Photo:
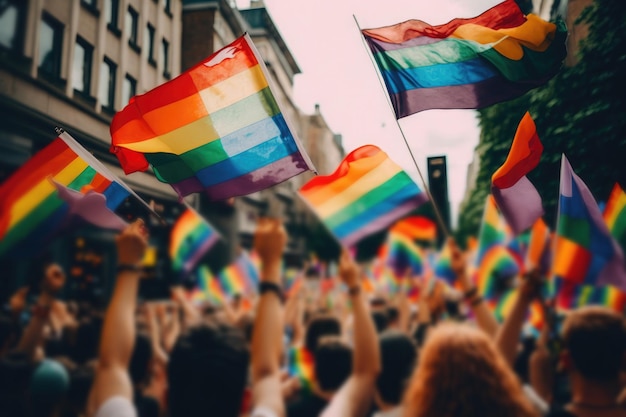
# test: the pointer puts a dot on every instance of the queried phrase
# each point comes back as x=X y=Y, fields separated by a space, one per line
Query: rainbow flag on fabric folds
x=215 y=128
x=191 y=238
x=416 y=227
x=584 y=251
x=570 y=296
x=466 y=63
x=301 y=365
x=403 y=254
x=538 y=253
x=493 y=230
x=497 y=266
x=615 y=214
x=518 y=199
x=31 y=210
x=209 y=284
x=366 y=193
x=442 y=268
x=240 y=277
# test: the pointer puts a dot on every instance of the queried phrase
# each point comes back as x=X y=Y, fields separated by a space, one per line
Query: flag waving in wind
x=31 y=209
x=366 y=193
x=466 y=63
x=215 y=128
x=585 y=252
x=516 y=196
x=190 y=239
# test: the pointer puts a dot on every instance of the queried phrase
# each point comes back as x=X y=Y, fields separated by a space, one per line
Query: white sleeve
x=261 y=412
x=540 y=405
x=117 y=407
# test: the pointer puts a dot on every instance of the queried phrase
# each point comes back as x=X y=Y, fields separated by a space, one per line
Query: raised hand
x=348 y=270
x=132 y=243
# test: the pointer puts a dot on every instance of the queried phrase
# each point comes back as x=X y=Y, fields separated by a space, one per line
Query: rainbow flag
x=466 y=63
x=366 y=193
x=538 y=253
x=615 y=214
x=301 y=365
x=493 y=230
x=417 y=228
x=496 y=268
x=216 y=128
x=518 y=199
x=190 y=239
x=31 y=210
x=584 y=251
x=571 y=296
x=210 y=286
x=442 y=268
x=240 y=277
x=403 y=254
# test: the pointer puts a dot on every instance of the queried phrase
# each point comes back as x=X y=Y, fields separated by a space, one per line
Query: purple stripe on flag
x=380 y=46
x=384 y=221
x=466 y=96
x=274 y=173
x=520 y=204
x=200 y=252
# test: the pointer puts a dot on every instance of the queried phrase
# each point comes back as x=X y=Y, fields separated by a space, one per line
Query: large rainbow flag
x=31 y=210
x=584 y=251
x=466 y=63
x=191 y=238
x=216 y=128
x=366 y=193
x=518 y=199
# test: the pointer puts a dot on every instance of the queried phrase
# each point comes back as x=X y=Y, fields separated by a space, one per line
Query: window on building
x=50 y=47
x=149 y=43
x=81 y=67
x=111 y=10
x=106 y=91
x=12 y=14
x=132 y=22
x=91 y=5
x=167 y=5
x=165 y=58
x=129 y=89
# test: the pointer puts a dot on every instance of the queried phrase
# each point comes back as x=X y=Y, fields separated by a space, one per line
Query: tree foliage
x=581 y=113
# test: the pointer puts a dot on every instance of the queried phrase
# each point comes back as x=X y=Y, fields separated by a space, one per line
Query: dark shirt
x=306 y=406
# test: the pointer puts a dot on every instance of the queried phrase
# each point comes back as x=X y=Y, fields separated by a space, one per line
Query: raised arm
x=484 y=317
x=508 y=337
x=355 y=395
x=269 y=242
x=118 y=331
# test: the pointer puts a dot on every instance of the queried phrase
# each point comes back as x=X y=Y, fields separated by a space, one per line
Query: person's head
x=460 y=372
x=139 y=366
x=53 y=278
x=398 y=354
x=594 y=342
x=381 y=320
x=333 y=364
x=320 y=326
x=207 y=372
x=48 y=386
x=392 y=316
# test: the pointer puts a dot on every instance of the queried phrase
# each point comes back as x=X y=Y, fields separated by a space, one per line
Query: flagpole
x=100 y=167
x=444 y=229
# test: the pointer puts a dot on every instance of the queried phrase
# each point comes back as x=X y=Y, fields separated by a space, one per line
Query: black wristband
x=356 y=290
x=271 y=287
x=128 y=267
x=470 y=293
x=476 y=301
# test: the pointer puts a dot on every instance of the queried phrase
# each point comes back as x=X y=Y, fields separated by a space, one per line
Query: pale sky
x=338 y=73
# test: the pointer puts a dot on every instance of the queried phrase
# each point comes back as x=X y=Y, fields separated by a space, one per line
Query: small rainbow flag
x=537 y=255
x=216 y=128
x=210 y=286
x=615 y=214
x=402 y=254
x=191 y=237
x=466 y=63
x=240 y=277
x=366 y=193
x=417 y=228
x=496 y=267
x=442 y=268
x=571 y=296
x=31 y=210
x=493 y=230
x=584 y=251
x=301 y=365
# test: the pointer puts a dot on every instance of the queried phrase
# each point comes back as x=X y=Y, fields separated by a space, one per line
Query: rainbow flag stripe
x=190 y=239
x=31 y=211
x=210 y=286
x=493 y=230
x=571 y=296
x=301 y=365
x=416 y=227
x=466 y=63
x=442 y=268
x=497 y=266
x=615 y=214
x=240 y=277
x=216 y=128
x=403 y=254
x=366 y=193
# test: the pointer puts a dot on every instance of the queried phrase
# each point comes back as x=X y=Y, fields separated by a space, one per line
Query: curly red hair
x=461 y=373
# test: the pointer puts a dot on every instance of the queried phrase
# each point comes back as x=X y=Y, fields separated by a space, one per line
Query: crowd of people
x=369 y=354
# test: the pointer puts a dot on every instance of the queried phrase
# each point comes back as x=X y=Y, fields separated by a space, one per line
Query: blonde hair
x=461 y=373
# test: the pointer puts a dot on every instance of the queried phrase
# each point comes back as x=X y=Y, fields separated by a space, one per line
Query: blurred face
x=54 y=278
